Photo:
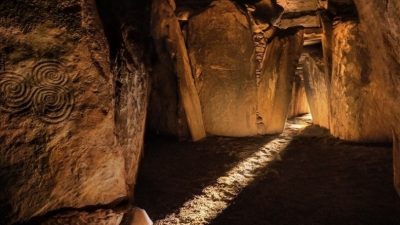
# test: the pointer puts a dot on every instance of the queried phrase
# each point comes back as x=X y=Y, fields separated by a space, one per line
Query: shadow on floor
x=321 y=181
x=318 y=181
x=172 y=172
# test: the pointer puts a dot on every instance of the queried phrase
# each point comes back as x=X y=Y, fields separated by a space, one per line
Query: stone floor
x=302 y=177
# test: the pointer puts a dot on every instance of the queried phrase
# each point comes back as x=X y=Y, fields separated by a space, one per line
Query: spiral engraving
x=52 y=104
x=45 y=93
x=15 y=93
x=49 y=73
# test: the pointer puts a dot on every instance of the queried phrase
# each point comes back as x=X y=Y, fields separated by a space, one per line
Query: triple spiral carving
x=44 y=92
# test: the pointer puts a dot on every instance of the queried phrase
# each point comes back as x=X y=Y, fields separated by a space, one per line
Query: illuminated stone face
x=243 y=85
x=63 y=136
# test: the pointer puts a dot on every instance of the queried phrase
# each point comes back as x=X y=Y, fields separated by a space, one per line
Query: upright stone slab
x=316 y=83
x=275 y=86
x=236 y=102
x=383 y=46
x=221 y=50
x=66 y=140
x=130 y=76
x=354 y=111
x=171 y=48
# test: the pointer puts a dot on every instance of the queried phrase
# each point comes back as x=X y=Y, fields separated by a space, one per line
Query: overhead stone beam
x=307 y=21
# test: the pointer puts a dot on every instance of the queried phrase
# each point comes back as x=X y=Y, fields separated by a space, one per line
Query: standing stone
x=221 y=50
x=275 y=88
x=67 y=135
x=171 y=48
x=384 y=48
x=365 y=91
x=166 y=114
x=326 y=41
x=354 y=112
x=317 y=86
x=131 y=78
x=237 y=101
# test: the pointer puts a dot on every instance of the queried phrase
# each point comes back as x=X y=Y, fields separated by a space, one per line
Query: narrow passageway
x=198 y=112
x=303 y=176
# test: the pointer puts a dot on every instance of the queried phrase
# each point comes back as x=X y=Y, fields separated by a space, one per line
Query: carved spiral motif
x=52 y=104
x=44 y=93
x=49 y=73
x=15 y=93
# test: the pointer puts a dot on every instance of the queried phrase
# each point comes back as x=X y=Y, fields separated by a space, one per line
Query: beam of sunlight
x=214 y=199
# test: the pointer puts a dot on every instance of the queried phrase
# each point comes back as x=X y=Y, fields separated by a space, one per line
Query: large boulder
x=71 y=129
x=236 y=102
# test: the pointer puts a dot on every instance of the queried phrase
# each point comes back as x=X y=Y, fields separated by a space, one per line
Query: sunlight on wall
x=214 y=199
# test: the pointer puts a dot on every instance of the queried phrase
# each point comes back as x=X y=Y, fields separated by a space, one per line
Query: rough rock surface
x=365 y=72
x=316 y=84
x=127 y=38
x=221 y=50
x=134 y=216
x=236 y=102
x=99 y=217
x=326 y=41
x=66 y=140
x=354 y=112
x=299 y=13
x=298 y=6
x=380 y=30
x=166 y=112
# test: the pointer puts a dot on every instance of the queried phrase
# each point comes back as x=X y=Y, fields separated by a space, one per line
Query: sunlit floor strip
x=215 y=198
